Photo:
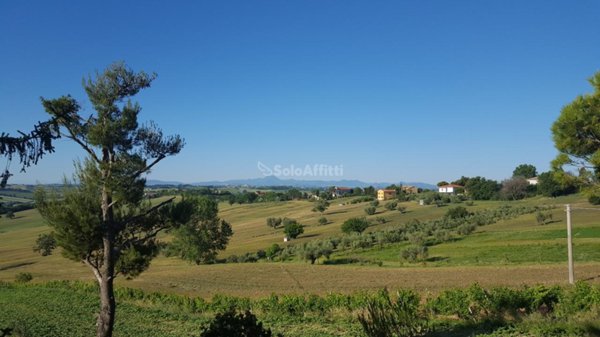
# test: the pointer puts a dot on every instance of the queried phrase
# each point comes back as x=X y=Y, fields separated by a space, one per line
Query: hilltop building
x=386 y=194
x=450 y=188
x=342 y=192
x=410 y=189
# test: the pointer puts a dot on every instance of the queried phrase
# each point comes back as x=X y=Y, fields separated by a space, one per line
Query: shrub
x=401 y=209
x=44 y=244
x=23 y=277
x=273 y=222
x=465 y=229
x=322 y=221
x=381 y=219
x=415 y=253
x=391 y=205
x=457 y=213
x=370 y=210
x=232 y=324
x=355 y=225
x=374 y=203
x=543 y=218
x=273 y=251
x=362 y=199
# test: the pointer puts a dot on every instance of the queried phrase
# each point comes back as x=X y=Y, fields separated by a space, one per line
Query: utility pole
x=570 y=245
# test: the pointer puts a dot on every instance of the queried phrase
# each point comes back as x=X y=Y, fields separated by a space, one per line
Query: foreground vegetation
x=66 y=309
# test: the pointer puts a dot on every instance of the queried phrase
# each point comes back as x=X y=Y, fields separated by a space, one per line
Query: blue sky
x=392 y=90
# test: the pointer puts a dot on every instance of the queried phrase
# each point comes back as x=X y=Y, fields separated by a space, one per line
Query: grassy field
x=511 y=252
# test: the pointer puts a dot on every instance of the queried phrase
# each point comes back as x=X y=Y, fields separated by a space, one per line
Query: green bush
x=370 y=210
x=414 y=254
x=292 y=228
x=23 y=277
x=457 y=213
x=355 y=225
x=232 y=324
x=391 y=205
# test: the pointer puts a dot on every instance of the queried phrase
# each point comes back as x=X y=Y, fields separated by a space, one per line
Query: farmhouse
x=410 y=189
x=385 y=194
x=450 y=188
x=342 y=191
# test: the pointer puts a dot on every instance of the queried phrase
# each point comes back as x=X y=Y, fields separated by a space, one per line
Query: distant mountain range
x=276 y=182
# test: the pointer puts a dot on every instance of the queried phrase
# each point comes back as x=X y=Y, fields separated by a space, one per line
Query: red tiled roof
x=451 y=185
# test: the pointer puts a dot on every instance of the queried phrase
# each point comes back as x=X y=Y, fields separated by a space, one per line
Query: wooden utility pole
x=570 y=245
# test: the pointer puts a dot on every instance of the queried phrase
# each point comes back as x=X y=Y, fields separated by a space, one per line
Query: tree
x=480 y=188
x=458 y=212
x=391 y=205
x=292 y=228
x=200 y=241
x=313 y=250
x=321 y=206
x=103 y=219
x=273 y=222
x=442 y=183
x=9 y=214
x=525 y=170
x=44 y=244
x=549 y=186
x=576 y=135
x=514 y=188
x=323 y=221
x=272 y=251
x=356 y=225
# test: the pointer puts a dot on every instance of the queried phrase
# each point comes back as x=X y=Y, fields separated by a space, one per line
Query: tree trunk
x=106 y=318
x=108 y=306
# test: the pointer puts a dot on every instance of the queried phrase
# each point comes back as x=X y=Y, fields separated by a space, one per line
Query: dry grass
x=251 y=233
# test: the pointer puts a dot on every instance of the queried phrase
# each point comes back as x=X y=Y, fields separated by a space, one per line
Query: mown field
x=513 y=252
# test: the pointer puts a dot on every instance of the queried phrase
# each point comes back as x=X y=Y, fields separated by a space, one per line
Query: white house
x=451 y=188
x=533 y=181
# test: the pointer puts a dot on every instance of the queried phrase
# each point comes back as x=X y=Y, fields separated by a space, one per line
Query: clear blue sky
x=392 y=90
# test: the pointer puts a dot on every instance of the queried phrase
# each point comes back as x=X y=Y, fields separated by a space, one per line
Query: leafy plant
x=356 y=225
x=232 y=324
x=370 y=210
x=23 y=277
x=400 y=318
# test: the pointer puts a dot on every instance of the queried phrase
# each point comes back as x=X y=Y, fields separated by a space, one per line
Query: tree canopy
x=525 y=170
x=576 y=135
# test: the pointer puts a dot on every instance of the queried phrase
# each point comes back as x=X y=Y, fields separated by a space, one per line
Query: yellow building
x=386 y=194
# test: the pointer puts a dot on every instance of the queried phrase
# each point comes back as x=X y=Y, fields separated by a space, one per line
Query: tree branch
x=93 y=267
x=82 y=144
x=140 y=216
x=148 y=167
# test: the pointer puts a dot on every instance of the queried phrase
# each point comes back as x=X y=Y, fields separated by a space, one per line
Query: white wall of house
x=446 y=190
